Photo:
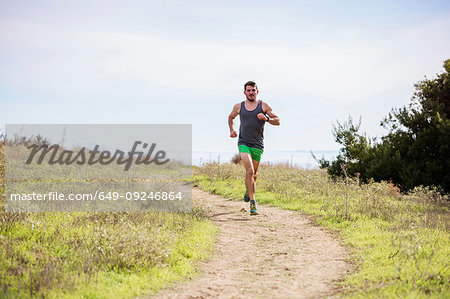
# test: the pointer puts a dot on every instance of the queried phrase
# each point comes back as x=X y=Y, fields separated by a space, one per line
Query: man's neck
x=251 y=102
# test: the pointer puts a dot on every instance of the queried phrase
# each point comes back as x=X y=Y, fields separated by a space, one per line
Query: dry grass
x=400 y=242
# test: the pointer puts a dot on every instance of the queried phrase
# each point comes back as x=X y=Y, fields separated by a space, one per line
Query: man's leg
x=255 y=173
x=249 y=174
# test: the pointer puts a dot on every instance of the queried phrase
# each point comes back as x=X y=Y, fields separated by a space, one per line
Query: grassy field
x=400 y=244
x=97 y=255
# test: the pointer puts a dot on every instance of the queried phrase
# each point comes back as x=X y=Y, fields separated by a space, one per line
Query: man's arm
x=231 y=118
x=274 y=119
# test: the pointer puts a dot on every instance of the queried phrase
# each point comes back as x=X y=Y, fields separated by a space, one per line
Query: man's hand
x=274 y=119
x=233 y=134
x=262 y=116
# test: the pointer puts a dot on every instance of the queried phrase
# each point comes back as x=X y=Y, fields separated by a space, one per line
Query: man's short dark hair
x=251 y=83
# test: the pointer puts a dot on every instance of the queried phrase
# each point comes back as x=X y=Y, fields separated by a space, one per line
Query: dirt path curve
x=278 y=254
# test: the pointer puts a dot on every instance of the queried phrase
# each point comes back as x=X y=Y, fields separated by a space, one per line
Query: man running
x=253 y=114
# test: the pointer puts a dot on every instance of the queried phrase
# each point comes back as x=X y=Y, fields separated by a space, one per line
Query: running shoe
x=246 y=198
x=253 y=209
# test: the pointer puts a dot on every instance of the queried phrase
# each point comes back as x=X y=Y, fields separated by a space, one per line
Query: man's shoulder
x=264 y=105
x=237 y=106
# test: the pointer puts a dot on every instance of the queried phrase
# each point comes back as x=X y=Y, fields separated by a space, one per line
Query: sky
x=185 y=62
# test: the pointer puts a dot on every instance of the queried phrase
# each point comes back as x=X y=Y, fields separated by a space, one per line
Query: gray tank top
x=251 y=131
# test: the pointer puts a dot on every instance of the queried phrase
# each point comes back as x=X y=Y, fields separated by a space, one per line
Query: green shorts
x=256 y=153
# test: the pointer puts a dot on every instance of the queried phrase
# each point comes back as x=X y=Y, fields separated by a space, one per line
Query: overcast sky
x=151 y=62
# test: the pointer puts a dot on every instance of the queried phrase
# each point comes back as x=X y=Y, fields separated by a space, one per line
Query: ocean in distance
x=298 y=158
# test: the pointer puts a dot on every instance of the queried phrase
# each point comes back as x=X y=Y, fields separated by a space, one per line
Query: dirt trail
x=278 y=254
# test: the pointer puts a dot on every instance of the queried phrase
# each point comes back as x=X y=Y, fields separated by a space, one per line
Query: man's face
x=251 y=92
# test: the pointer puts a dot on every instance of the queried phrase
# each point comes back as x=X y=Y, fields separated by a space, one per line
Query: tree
x=416 y=150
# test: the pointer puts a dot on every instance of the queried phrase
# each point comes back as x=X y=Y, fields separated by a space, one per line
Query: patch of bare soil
x=278 y=254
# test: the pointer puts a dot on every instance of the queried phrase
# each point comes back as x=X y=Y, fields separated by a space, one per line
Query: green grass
x=97 y=255
x=400 y=244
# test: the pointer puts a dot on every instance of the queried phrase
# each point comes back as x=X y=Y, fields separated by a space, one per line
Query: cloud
x=341 y=67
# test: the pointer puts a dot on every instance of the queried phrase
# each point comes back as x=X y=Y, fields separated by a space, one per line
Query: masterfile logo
x=85 y=156
x=104 y=168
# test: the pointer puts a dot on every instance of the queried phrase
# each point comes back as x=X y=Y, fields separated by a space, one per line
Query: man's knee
x=250 y=172
x=255 y=176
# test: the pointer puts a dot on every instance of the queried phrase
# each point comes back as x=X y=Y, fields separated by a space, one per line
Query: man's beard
x=251 y=99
